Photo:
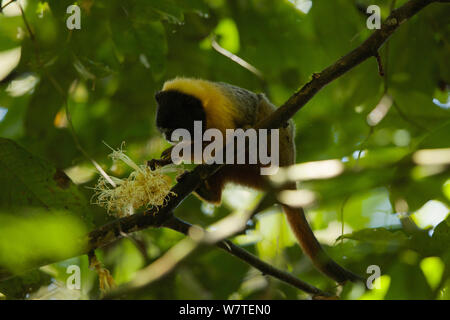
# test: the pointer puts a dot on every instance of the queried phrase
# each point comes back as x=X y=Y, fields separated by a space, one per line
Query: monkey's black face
x=178 y=110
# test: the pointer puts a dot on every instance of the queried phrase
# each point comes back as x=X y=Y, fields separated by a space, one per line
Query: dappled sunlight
x=380 y=111
x=325 y=169
x=433 y=269
x=443 y=105
x=432 y=156
x=315 y=170
x=81 y=173
x=13 y=9
x=275 y=234
x=238 y=197
x=431 y=214
x=3 y=112
x=302 y=5
x=23 y=84
x=9 y=59
x=297 y=198
x=332 y=232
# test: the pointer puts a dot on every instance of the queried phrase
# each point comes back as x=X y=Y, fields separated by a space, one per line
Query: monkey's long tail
x=310 y=245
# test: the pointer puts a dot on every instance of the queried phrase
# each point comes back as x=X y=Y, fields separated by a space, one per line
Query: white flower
x=144 y=188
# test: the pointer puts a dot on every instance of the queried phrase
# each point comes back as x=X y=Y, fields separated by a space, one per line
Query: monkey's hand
x=163 y=161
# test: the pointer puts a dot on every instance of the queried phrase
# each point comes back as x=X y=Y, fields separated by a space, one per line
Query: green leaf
x=378 y=235
x=167 y=10
x=18 y=287
x=408 y=282
x=9 y=28
x=198 y=6
x=143 y=42
x=152 y=43
x=35 y=237
x=26 y=180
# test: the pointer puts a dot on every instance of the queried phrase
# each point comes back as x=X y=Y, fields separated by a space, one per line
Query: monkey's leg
x=209 y=192
x=211 y=189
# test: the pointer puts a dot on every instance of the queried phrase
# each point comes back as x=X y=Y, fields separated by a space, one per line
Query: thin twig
x=216 y=46
x=27 y=25
x=408 y=119
x=5 y=5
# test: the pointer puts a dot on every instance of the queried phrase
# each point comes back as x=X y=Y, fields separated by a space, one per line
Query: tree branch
x=367 y=49
x=187 y=247
x=267 y=269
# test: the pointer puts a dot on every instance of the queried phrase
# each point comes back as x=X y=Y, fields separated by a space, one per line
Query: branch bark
x=367 y=49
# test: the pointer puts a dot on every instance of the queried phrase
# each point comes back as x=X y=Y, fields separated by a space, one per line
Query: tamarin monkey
x=223 y=106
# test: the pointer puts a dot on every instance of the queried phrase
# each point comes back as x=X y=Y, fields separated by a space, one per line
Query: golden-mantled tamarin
x=223 y=106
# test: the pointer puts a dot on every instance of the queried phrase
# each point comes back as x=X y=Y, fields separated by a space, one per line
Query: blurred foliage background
x=389 y=208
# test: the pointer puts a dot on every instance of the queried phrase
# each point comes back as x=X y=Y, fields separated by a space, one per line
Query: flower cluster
x=144 y=188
